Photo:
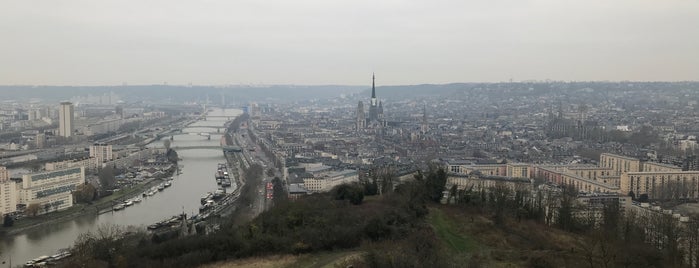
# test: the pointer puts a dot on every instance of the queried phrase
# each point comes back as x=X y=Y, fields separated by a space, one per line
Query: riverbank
x=97 y=207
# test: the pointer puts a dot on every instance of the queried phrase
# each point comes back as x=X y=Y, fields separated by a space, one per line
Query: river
x=196 y=179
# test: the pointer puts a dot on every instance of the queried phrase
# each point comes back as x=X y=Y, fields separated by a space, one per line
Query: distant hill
x=283 y=93
x=160 y=93
x=520 y=88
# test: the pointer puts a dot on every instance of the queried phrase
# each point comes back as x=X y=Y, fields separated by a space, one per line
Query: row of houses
x=614 y=174
x=600 y=186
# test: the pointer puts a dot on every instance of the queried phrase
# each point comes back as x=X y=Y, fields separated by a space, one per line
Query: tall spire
x=373 y=88
x=373 y=106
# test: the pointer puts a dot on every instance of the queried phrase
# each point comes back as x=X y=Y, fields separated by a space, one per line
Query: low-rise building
x=465 y=167
x=661 y=184
x=297 y=190
x=590 y=172
x=90 y=164
x=590 y=207
x=518 y=170
x=657 y=167
x=480 y=182
x=325 y=182
x=560 y=176
x=101 y=151
x=619 y=163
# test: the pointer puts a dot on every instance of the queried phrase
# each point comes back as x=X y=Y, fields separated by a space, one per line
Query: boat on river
x=221 y=173
x=38 y=262
x=59 y=256
x=44 y=261
x=207 y=196
x=118 y=207
x=219 y=193
x=209 y=204
x=175 y=220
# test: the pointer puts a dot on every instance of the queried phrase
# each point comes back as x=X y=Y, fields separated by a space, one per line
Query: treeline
x=234 y=126
x=319 y=222
x=609 y=236
x=253 y=177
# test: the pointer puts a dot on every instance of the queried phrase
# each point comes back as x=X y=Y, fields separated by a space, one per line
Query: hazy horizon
x=311 y=42
x=367 y=85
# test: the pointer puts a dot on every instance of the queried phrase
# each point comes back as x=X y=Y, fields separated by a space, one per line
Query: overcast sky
x=90 y=42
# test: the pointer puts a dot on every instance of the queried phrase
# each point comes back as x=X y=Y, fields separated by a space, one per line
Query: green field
x=448 y=231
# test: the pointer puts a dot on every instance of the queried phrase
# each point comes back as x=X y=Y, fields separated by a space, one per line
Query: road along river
x=196 y=178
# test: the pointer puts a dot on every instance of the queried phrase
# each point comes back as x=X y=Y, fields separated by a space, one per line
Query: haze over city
x=363 y=134
x=338 y=42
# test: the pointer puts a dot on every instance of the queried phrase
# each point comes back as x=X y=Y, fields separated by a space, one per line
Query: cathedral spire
x=373 y=106
x=373 y=88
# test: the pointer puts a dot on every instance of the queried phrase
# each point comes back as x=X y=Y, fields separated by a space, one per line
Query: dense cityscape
x=631 y=146
x=353 y=134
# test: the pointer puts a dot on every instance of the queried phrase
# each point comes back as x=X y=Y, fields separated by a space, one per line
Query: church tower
x=380 y=111
x=361 y=118
x=424 y=127
x=373 y=106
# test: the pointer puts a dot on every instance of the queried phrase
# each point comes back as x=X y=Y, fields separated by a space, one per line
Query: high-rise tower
x=66 y=123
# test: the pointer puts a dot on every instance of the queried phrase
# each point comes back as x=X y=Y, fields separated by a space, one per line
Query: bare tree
x=32 y=209
x=100 y=248
x=452 y=194
x=166 y=144
x=106 y=177
x=691 y=234
x=565 y=218
x=383 y=178
x=500 y=197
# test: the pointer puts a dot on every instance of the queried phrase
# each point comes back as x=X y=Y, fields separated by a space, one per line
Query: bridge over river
x=226 y=149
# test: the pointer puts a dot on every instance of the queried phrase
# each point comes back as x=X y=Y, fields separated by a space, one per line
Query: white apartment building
x=102 y=152
x=51 y=190
x=8 y=193
x=90 y=164
x=8 y=196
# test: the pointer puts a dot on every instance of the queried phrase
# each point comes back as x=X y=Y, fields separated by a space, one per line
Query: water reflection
x=85 y=221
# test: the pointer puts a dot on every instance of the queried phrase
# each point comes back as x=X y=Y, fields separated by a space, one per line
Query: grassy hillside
x=473 y=238
x=467 y=237
x=317 y=260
